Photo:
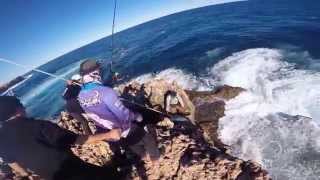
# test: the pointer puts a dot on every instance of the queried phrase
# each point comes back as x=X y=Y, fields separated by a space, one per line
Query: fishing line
x=63 y=79
x=66 y=80
x=33 y=69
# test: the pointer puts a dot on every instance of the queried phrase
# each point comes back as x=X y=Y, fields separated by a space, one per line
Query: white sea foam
x=185 y=80
x=261 y=124
x=276 y=121
x=265 y=75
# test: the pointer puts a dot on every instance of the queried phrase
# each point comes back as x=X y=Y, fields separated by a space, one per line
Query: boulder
x=157 y=89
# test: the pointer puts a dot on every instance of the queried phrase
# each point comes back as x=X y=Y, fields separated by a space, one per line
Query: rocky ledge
x=189 y=150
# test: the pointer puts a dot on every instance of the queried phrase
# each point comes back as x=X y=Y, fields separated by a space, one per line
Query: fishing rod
x=113 y=27
x=175 y=117
x=112 y=36
x=147 y=108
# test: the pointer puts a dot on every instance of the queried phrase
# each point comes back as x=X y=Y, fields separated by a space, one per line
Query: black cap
x=88 y=66
x=8 y=106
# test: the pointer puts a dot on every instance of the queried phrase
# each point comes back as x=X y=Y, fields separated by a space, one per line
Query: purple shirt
x=103 y=105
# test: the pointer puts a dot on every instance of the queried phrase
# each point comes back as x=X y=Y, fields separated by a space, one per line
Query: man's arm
x=58 y=137
x=113 y=135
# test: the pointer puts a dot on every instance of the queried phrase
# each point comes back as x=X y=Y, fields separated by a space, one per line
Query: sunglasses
x=96 y=73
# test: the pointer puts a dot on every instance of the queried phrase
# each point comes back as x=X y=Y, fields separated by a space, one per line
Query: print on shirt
x=91 y=101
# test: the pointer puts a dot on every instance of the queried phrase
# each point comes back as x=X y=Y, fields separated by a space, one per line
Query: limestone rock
x=157 y=89
x=187 y=156
x=99 y=154
x=209 y=108
x=66 y=121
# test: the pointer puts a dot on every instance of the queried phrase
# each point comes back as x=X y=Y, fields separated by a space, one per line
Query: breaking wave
x=276 y=121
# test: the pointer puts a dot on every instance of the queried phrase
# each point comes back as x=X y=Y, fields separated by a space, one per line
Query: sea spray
x=275 y=121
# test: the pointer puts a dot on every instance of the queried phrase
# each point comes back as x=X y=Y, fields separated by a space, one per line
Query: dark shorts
x=135 y=135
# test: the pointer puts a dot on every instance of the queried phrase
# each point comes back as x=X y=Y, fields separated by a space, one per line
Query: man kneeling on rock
x=103 y=105
x=40 y=147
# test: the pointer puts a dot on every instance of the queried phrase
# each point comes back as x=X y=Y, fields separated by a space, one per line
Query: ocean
x=269 y=47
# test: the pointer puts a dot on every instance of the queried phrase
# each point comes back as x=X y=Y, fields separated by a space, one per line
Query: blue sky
x=33 y=32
